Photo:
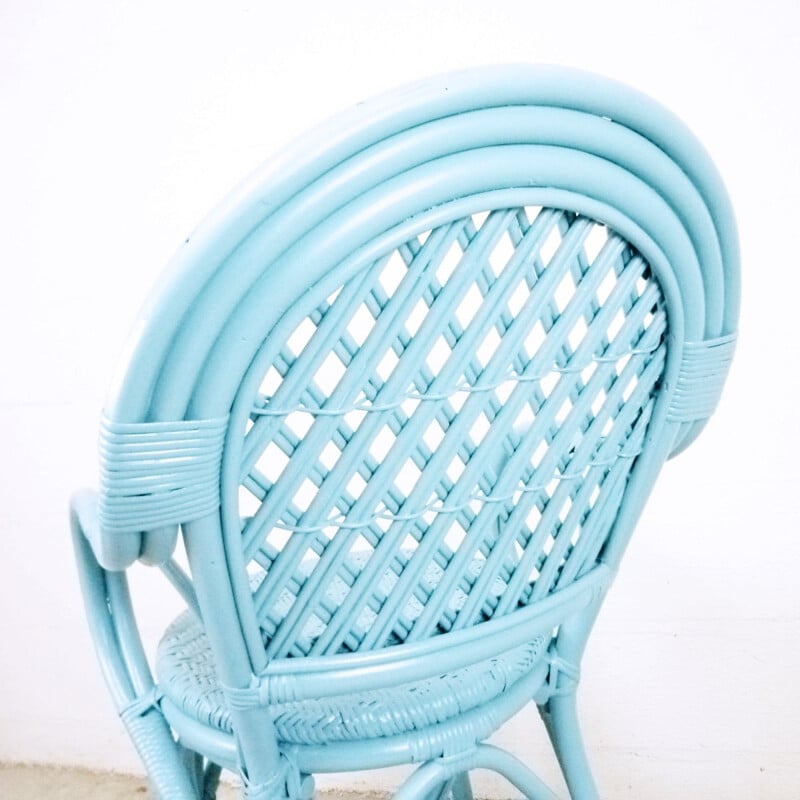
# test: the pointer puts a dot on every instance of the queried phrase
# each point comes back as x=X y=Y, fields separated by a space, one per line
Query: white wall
x=123 y=123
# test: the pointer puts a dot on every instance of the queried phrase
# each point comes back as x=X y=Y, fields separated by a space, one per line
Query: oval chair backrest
x=446 y=436
x=449 y=339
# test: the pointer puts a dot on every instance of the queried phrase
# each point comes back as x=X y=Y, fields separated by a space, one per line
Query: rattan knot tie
x=288 y=783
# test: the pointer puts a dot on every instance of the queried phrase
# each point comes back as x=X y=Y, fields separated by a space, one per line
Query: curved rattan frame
x=338 y=197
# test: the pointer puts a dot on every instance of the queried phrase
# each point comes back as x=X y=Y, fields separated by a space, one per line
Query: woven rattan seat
x=404 y=396
x=186 y=674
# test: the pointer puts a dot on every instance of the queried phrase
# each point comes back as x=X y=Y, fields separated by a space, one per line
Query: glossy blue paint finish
x=406 y=392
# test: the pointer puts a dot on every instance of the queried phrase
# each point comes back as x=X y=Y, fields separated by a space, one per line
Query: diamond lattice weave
x=436 y=443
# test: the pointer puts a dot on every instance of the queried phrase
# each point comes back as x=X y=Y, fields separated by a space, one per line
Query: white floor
x=34 y=782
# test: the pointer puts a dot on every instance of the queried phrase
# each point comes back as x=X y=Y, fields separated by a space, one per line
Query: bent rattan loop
x=704 y=368
x=154 y=474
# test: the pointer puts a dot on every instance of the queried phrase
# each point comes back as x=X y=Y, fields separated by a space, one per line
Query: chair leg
x=165 y=768
x=513 y=770
x=193 y=764
x=457 y=788
x=204 y=774
x=286 y=783
x=426 y=783
x=436 y=780
x=211 y=777
x=119 y=650
x=560 y=717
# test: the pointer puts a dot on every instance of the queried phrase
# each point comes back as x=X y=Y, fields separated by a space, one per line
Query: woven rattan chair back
x=406 y=394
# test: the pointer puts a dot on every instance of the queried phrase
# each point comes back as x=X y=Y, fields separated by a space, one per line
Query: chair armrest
x=115 y=551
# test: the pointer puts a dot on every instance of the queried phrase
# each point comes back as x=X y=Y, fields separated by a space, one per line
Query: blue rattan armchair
x=405 y=394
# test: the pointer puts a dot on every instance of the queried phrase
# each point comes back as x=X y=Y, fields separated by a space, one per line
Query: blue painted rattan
x=405 y=394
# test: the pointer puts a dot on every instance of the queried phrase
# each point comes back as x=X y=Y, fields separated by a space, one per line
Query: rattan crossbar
x=383 y=514
x=405 y=394
x=263 y=405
